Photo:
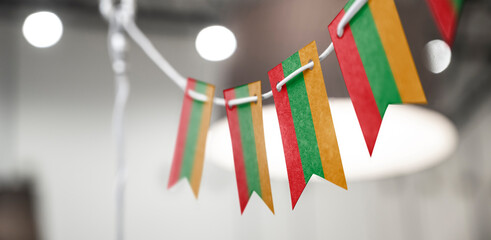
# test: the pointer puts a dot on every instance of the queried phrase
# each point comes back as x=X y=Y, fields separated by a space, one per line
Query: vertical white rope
x=106 y=9
x=116 y=42
x=117 y=48
x=122 y=92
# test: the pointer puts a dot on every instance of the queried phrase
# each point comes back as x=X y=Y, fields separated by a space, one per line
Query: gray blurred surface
x=56 y=105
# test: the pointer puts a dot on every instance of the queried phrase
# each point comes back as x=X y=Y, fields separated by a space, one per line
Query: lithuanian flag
x=376 y=63
x=246 y=129
x=191 y=138
x=307 y=130
x=446 y=14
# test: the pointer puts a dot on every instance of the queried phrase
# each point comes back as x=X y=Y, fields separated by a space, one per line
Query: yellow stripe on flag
x=396 y=48
x=321 y=116
x=257 y=122
x=200 y=150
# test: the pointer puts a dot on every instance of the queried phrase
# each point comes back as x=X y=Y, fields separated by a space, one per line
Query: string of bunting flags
x=378 y=69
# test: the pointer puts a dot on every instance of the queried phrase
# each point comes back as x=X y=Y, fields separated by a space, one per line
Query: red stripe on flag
x=445 y=16
x=181 y=134
x=290 y=146
x=240 y=172
x=356 y=82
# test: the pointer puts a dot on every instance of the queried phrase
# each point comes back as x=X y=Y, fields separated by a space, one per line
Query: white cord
x=117 y=47
x=197 y=96
x=148 y=48
x=294 y=74
x=267 y=95
x=326 y=52
x=239 y=101
x=146 y=45
x=137 y=35
x=354 y=8
x=122 y=92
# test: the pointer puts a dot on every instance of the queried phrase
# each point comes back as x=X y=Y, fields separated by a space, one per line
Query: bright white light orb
x=438 y=55
x=42 y=29
x=411 y=138
x=215 y=43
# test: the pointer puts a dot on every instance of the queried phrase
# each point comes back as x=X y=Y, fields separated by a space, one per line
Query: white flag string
x=148 y=48
x=354 y=8
x=107 y=10
x=151 y=51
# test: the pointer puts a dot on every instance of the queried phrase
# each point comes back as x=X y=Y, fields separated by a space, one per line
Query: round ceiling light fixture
x=411 y=138
x=438 y=55
x=42 y=29
x=216 y=43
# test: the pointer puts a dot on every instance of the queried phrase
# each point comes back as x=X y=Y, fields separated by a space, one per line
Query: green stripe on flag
x=193 y=132
x=302 y=119
x=374 y=59
x=248 y=141
x=457 y=5
x=348 y=5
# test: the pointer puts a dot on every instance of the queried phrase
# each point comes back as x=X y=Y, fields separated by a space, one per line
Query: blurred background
x=57 y=154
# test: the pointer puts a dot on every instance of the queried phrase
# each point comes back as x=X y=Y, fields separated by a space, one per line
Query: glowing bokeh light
x=42 y=29
x=438 y=55
x=215 y=43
